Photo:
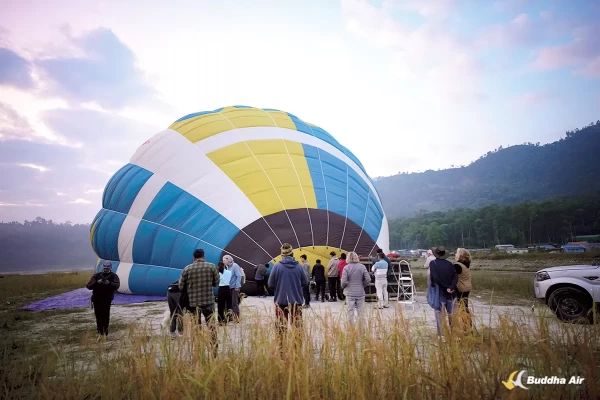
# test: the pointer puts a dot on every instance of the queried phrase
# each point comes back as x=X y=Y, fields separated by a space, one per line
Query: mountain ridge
x=505 y=176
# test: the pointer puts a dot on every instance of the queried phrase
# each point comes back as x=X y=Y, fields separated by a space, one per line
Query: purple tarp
x=80 y=298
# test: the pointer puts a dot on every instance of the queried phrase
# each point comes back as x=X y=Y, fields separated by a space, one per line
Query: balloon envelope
x=239 y=181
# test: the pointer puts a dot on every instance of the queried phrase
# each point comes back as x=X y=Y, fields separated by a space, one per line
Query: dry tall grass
x=325 y=359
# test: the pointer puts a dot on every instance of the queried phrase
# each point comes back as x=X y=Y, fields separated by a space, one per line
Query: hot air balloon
x=237 y=180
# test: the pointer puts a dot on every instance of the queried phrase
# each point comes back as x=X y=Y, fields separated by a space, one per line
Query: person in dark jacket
x=318 y=274
x=269 y=266
x=259 y=277
x=103 y=286
x=288 y=280
x=443 y=274
x=173 y=296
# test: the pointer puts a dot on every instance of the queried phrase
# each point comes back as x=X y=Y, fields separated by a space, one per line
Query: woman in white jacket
x=380 y=268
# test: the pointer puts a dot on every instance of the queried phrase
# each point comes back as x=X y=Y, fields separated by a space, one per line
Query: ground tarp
x=80 y=298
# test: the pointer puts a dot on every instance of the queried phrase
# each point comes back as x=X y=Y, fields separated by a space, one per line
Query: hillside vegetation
x=556 y=221
x=512 y=175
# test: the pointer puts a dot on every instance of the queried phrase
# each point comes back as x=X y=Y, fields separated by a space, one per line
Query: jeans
x=381 y=285
x=260 y=287
x=235 y=302
x=334 y=284
x=306 y=293
x=208 y=312
x=223 y=302
x=354 y=306
x=102 y=313
x=285 y=313
x=176 y=315
x=321 y=290
x=447 y=305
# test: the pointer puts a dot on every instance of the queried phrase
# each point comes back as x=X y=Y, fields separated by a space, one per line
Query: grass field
x=326 y=359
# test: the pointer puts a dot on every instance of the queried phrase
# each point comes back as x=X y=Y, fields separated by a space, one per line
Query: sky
x=407 y=86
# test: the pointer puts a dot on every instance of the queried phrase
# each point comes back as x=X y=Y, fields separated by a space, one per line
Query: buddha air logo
x=512 y=383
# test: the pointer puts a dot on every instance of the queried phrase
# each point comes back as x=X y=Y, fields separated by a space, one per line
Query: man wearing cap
x=385 y=258
x=443 y=274
x=288 y=279
x=103 y=286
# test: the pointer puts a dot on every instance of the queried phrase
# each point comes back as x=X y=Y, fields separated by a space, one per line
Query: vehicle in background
x=571 y=292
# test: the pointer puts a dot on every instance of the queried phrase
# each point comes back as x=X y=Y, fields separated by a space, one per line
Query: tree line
x=553 y=222
x=44 y=245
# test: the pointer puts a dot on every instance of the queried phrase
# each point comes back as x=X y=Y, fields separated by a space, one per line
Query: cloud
x=59 y=176
x=25 y=204
x=90 y=191
x=40 y=168
x=429 y=52
x=583 y=50
x=102 y=69
x=14 y=70
x=14 y=126
x=520 y=31
x=28 y=169
x=534 y=98
x=107 y=140
x=591 y=70
x=80 y=201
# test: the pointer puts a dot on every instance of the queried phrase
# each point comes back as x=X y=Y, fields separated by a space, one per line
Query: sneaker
x=306 y=306
x=386 y=306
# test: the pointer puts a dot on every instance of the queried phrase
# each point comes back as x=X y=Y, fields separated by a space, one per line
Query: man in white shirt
x=380 y=268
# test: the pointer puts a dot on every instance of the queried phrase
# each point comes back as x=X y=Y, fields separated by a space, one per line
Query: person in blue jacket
x=288 y=280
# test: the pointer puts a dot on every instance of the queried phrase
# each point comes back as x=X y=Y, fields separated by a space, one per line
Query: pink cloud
x=591 y=70
x=533 y=98
x=14 y=126
x=520 y=31
x=583 y=49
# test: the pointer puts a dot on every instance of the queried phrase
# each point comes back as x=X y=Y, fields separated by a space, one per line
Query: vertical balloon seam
x=268 y=178
x=299 y=182
x=362 y=228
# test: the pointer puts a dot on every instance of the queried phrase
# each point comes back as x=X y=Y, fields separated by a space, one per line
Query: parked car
x=572 y=292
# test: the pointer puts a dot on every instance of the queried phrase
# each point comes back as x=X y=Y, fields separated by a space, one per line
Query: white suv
x=572 y=292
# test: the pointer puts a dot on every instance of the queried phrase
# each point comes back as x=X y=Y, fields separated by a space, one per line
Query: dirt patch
x=150 y=316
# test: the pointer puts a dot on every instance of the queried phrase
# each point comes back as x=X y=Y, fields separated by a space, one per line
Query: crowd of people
x=289 y=282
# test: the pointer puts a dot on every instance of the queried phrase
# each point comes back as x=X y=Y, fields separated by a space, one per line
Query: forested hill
x=43 y=245
x=512 y=175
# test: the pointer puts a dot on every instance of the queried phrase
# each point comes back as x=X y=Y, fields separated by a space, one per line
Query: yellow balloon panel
x=315 y=253
x=273 y=174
